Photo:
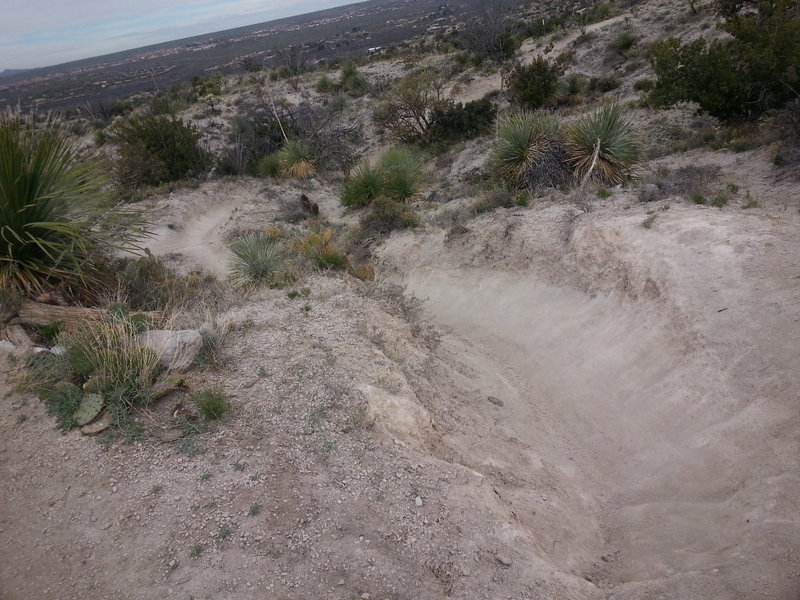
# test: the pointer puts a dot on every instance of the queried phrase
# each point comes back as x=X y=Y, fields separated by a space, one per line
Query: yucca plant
x=529 y=151
x=363 y=186
x=256 y=258
x=401 y=169
x=53 y=227
x=603 y=145
x=297 y=159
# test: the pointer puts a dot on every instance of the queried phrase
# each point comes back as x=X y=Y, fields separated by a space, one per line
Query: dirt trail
x=681 y=422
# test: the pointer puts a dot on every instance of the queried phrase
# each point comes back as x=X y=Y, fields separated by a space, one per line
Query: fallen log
x=36 y=313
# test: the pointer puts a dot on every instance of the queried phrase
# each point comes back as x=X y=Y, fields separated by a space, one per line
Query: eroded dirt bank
x=656 y=368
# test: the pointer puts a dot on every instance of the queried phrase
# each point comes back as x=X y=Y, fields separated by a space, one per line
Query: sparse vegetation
x=212 y=403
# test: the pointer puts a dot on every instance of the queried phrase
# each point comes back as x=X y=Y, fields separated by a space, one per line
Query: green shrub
x=401 y=169
x=603 y=145
x=269 y=166
x=529 y=152
x=386 y=215
x=324 y=84
x=257 y=258
x=531 y=85
x=460 y=121
x=156 y=149
x=353 y=82
x=397 y=175
x=742 y=77
x=212 y=403
x=363 y=186
x=54 y=227
x=623 y=42
x=603 y=84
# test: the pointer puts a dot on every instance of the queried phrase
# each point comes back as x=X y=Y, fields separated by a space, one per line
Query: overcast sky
x=39 y=33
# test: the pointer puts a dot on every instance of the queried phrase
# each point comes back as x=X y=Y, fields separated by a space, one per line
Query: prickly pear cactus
x=95 y=385
x=89 y=408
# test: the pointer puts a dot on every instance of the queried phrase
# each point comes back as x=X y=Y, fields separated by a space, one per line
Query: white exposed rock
x=176 y=350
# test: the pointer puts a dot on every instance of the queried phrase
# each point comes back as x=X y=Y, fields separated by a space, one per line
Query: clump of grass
x=386 y=215
x=603 y=192
x=720 y=200
x=196 y=550
x=320 y=248
x=269 y=165
x=362 y=187
x=697 y=198
x=648 y=222
x=212 y=403
x=255 y=510
x=603 y=145
x=397 y=175
x=257 y=258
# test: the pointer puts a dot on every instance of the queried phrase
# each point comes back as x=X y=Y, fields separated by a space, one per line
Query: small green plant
x=291 y=294
x=623 y=42
x=751 y=204
x=255 y=510
x=257 y=258
x=224 y=532
x=21 y=418
x=239 y=465
x=697 y=198
x=604 y=192
x=196 y=550
x=603 y=145
x=324 y=84
x=732 y=188
x=156 y=490
x=206 y=476
x=306 y=308
x=212 y=403
x=363 y=186
x=648 y=222
x=720 y=200
x=269 y=166
x=401 y=167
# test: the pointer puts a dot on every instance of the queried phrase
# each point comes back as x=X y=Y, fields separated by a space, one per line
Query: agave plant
x=603 y=145
x=296 y=159
x=529 y=151
x=53 y=228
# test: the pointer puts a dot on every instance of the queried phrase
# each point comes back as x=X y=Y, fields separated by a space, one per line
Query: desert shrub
x=353 y=82
x=531 y=85
x=146 y=283
x=253 y=135
x=110 y=350
x=156 y=149
x=408 y=106
x=386 y=215
x=460 y=121
x=397 y=175
x=603 y=84
x=212 y=403
x=257 y=259
x=269 y=166
x=529 y=152
x=54 y=227
x=362 y=187
x=324 y=85
x=297 y=159
x=742 y=77
x=570 y=90
x=603 y=145
x=321 y=249
x=623 y=42
x=489 y=35
x=401 y=169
